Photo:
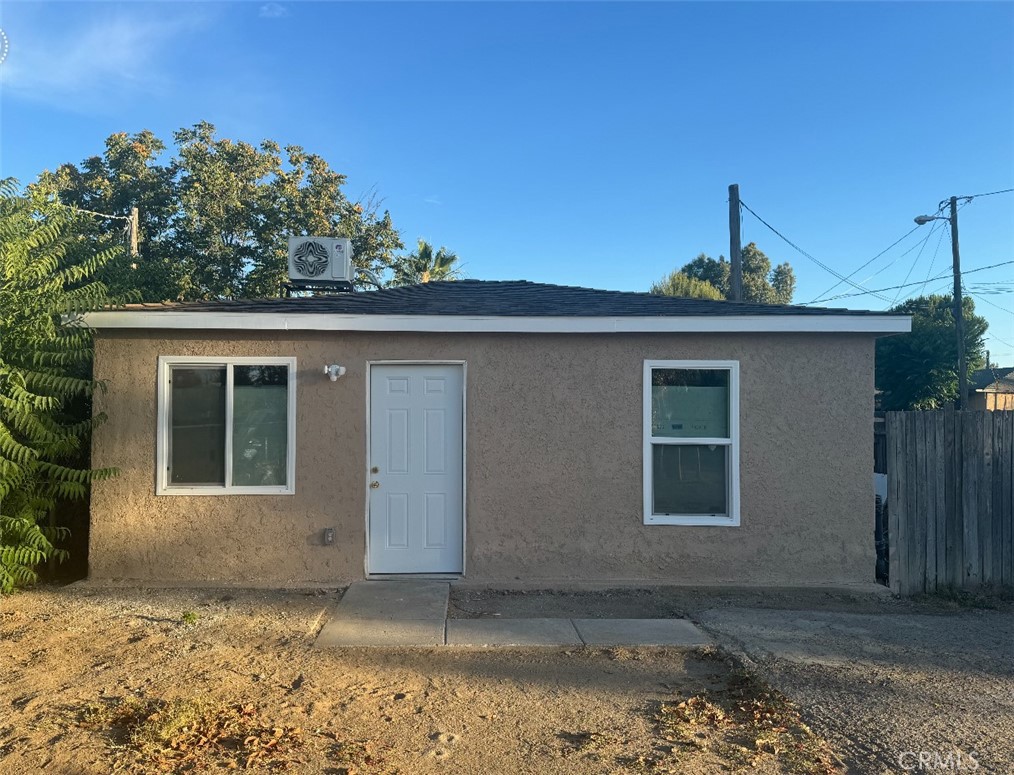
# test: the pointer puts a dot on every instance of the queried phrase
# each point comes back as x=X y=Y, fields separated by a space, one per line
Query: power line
x=886 y=266
x=933 y=260
x=983 y=298
x=989 y=193
x=802 y=252
x=882 y=252
x=1001 y=341
x=944 y=223
x=914 y=262
x=129 y=231
x=859 y=269
x=917 y=282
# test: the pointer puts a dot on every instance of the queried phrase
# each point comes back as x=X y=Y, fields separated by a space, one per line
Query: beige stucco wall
x=554 y=465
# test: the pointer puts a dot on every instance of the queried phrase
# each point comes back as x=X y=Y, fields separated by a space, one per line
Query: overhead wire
x=917 y=282
x=914 y=262
x=803 y=253
x=863 y=266
x=993 y=304
x=933 y=260
x=988 y=193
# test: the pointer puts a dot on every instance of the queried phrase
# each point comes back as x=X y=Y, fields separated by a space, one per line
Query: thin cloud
x=89 y=68
x=273 y=11
x=432 y=199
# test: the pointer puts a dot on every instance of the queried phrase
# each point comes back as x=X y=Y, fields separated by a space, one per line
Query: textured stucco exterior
x=553 y=469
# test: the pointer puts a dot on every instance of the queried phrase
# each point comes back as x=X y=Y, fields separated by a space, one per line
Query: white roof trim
x=307 y=321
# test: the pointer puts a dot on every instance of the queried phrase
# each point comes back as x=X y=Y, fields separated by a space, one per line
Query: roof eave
x=273 y=321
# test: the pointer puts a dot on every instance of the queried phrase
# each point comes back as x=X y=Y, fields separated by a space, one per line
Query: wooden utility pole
x=133 y=231
x=735 y=251
x=959 y=315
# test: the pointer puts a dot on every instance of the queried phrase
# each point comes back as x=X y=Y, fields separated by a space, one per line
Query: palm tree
x=425 y=266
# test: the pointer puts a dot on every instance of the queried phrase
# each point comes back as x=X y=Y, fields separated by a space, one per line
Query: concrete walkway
x=414 y=613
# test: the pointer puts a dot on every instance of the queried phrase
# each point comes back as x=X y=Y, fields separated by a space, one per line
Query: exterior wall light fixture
x=334 y=371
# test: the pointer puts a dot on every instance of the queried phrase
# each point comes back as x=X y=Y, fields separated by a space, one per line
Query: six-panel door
x=416 y=468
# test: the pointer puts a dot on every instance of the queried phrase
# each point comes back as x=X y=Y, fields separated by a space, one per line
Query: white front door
x=416 y=468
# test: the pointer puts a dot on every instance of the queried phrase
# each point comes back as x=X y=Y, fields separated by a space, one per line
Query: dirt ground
x=879 y=686
x=876 y=676
x=662 y=602
x=98 y=680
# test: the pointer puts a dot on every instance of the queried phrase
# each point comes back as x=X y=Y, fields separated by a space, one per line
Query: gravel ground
x=877 y=686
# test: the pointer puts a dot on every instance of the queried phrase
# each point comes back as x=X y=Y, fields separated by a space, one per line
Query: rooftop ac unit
x=320 y=260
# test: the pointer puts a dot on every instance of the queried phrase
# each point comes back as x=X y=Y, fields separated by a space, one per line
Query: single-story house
x=991 y=390
x=495 y=431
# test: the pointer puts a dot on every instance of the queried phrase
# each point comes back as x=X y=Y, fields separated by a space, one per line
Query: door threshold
x=413 y=576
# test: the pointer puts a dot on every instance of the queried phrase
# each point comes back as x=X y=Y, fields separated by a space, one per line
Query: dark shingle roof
x=998 y=380
x=496 y=298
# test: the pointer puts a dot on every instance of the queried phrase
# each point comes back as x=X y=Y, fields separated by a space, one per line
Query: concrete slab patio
x=512 y=632
x=396 y=614
x=381 y=633
x=395 y=600
x=640 y=632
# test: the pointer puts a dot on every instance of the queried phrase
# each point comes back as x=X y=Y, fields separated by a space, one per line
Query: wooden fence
x=950 y=500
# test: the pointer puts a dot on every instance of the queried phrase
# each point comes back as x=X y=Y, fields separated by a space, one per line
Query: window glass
x=260 y=425
x=197 y=432
x=690 y=403
x=689 y=479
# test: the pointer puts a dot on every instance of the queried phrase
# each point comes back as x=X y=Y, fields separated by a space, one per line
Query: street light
x=959 y=317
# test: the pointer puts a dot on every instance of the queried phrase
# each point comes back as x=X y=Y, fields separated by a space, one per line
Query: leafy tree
x=215 y=214
x=676 y=283
x=45 y=361
x=424 y=266
x=761 y=283
x=919 y=370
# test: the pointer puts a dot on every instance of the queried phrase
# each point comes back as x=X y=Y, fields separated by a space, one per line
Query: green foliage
x=45 y=356
x=761 y=283
x=678 y=284
x=425 y=266
x=919 y=370
x=216 y=213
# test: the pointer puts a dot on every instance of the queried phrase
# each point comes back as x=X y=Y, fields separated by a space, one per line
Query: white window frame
x=731 y=519
x=162 y=484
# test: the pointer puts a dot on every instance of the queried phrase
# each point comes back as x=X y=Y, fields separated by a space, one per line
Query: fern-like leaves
x=45 y=358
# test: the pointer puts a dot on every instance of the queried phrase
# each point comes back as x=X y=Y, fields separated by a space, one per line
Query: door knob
x=374 y=485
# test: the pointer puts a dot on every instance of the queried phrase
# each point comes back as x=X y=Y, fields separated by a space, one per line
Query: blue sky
x=579 y=143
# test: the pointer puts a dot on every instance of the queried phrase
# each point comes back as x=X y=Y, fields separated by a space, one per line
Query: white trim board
x=311 y=321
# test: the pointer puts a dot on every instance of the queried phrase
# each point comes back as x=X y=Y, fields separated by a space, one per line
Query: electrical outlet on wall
x=328 y=536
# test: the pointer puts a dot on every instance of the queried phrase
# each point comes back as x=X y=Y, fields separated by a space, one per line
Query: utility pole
x=959 y=315
x=133 y=231
x=735 y=251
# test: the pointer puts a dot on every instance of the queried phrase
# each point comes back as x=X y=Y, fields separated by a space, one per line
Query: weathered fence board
x=950 y=499
x=939 y=497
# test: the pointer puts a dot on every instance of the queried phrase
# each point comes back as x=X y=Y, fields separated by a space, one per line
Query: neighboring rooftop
x=476 y=305
x=994 y=380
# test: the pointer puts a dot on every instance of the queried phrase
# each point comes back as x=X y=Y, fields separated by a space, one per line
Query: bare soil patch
x=94 y=681
x=662 y=602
